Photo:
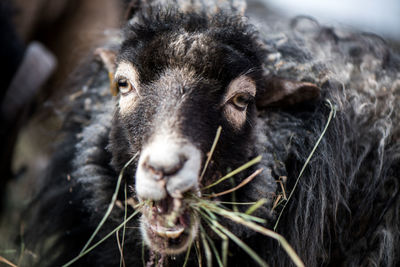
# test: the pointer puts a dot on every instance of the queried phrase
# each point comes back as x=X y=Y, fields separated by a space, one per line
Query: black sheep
x=180 y=73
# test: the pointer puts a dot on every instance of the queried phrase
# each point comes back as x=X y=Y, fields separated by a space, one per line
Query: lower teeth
x=163 y=232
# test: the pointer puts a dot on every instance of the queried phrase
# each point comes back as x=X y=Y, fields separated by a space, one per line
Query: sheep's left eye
x=124 y=86
x=240 y=101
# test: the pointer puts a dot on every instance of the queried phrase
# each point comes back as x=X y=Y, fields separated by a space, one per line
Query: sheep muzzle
x=168 y=169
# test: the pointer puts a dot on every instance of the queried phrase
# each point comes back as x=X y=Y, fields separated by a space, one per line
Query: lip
x=168 y=226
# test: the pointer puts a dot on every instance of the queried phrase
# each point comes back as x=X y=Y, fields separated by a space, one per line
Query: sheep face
x=175 y=88
x=177 y=116
x=179 y=77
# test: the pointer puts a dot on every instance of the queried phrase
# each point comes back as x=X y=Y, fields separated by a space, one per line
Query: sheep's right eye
x=124 y=86
x=241 y=100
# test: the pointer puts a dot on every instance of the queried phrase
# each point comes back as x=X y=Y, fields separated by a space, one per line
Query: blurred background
x=43 y=41
x=378 y=16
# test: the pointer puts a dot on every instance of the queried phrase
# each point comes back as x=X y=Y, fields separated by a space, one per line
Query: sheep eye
x=240 y=101
x=124 y=86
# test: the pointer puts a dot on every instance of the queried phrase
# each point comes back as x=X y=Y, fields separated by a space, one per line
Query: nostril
x=157 y=174
x=161 y=167
x=171 y=170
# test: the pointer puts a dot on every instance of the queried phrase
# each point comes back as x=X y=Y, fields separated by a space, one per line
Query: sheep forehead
x=177 y=77
x=185 y=44
x=173 y=88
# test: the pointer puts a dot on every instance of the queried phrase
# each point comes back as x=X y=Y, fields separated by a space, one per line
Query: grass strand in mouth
x=235 y=239
x=207 y=249
x=198 y=253
x=224 y=246
x=205 y=204
x=187 y=256
x=85 y=249
x=217 y=135
x=233 y=196
x=5 y=261
x=111 y=205
x=240 y=218
x=104 y=238
x=332 y=114
x=256 y=205
x=243 y=183
x=234 y=172
x=236 y=203
x=212 y=245
x=121 y=247
x=224 y=238
x=143 y=248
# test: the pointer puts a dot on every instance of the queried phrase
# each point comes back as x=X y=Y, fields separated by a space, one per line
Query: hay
x=85 y=249
x=208 y=210
x=332 y=114
x=106 y=237
x=234 y=172
x=3 y=260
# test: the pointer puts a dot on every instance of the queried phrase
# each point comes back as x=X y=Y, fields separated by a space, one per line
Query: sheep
x=180 y=73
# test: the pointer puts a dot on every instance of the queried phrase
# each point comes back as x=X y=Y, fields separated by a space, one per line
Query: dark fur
x=345 y=211
x=11 y=54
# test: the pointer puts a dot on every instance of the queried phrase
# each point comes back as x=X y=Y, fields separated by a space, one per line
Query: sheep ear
x=108 y=57
x=283 y=92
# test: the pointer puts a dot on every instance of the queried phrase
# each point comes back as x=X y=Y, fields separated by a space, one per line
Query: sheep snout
x=167 y=167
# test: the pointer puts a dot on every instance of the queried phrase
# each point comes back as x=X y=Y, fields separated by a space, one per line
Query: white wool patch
x=189 y=44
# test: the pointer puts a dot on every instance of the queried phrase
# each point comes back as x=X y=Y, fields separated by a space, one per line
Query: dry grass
x=209 y=211
x=4 y=260
x=332 y=114
x=86 y=249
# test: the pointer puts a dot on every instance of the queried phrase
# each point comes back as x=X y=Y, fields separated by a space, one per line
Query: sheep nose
x=161 y=167
x=167 y=167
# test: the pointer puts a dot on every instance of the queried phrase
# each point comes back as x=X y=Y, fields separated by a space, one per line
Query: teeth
x=159 y=209
x=172 y=234
x=177 y=204
x=166 y=232
x=163 y=216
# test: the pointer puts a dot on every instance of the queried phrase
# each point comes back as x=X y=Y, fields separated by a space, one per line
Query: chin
x=169 y=226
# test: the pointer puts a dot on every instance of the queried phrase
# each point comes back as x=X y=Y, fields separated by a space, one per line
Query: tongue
x=184 y=220
x=166 y=205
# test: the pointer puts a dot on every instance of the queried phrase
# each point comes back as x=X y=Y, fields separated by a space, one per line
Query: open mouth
x=168 y=226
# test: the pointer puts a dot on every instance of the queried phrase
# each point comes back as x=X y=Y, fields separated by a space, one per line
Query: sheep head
x=179 y=77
